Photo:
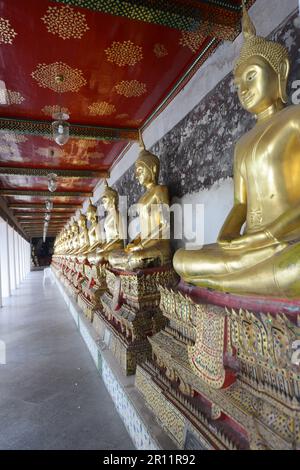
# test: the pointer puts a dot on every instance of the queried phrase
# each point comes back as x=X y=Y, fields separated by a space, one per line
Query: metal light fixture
x=60 y=128
x=47 y=217
x=49 y=205
x=52 y=182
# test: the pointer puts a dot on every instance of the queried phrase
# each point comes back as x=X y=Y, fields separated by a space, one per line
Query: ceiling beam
x=39 y=215
x=21 y=171
x=31 y=205
x=46 y=194
x=43 y=128
x=188 y=15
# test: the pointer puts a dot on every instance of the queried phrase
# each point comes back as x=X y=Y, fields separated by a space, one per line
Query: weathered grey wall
x=198 y=151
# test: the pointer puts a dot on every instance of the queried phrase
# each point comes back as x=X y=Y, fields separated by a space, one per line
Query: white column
x=5 y=280
x=13 y=280
x=7 y=254
x=17 y=258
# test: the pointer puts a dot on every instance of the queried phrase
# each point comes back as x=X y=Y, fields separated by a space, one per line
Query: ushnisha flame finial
x=141 y=140
x=249 y=30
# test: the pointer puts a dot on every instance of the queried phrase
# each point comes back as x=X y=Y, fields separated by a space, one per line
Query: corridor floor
x=51 y=395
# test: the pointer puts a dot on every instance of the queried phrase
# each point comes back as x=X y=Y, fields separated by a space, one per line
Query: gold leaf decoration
x=102 y=109
x=8 y=97
x=65 y=22
x=124 y=53
x=50 y=110
x=131 y=88
x=7 y=33
x=13 y=138
x=87 y=143
x=192 y=40
x=46 y=76
x=160 y=50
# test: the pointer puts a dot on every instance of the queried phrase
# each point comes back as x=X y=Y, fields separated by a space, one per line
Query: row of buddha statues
x=157 y=305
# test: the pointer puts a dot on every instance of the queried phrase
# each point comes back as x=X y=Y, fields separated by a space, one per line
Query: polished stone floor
x=51 y=396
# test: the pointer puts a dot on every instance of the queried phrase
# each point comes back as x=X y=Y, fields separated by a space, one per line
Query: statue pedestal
x=224 y=375
x=92 y=289
x=130 y=312
x=75 y=277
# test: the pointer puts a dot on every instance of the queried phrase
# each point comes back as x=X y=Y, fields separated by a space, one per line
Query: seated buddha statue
x=264 y=258
x=112 y=227
x=69 y=240
x=75 y=237
x=149 y=248
x=84 y=243
x=94 y=233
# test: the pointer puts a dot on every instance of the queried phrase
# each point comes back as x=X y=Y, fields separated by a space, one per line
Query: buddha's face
x=143 y=174
x=257 y=85
x=91 y=216
x=107 y=203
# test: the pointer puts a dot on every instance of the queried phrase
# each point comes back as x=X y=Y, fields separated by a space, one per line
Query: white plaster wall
x=267 y=15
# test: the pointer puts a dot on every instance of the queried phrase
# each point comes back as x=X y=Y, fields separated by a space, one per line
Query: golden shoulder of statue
x=149 y=248
x=265 y=258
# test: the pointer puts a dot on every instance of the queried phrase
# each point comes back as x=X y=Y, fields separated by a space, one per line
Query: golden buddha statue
x=84 y=244
x=94 y=234
x=265 y=258
x=69 y=238
x=112 y=226
x=75 y=238
x=149 y=248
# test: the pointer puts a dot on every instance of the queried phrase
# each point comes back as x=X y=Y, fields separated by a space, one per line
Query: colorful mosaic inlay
x=46 y=75
x=124 y=53
x=65 y=22
x=131 y=88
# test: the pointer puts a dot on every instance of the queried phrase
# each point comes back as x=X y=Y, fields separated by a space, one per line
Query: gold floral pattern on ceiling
x=192 y=40
x=8 y=97
x=86 y=143
x=124 y=53
x=12 y=137
x=134 y=122
x=160 y=50
x=50 y=110
x=47 y=77
x=65 y=22
x=131 y=88
x=7 y=33
x=102 y=109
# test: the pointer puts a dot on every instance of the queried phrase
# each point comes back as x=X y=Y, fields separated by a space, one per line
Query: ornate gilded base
x=92 y=289
x=231 y=379
x=131 y=312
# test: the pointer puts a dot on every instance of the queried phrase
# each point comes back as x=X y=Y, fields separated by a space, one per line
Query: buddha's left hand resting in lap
x=265 y=258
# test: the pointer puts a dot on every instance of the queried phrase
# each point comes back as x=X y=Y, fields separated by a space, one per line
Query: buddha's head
x=261 y=72
x=146 y=166
x=110 y=198
x=82 y=220
x=92 y=213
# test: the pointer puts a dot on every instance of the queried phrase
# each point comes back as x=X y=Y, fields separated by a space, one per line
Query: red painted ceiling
x=120 y=70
